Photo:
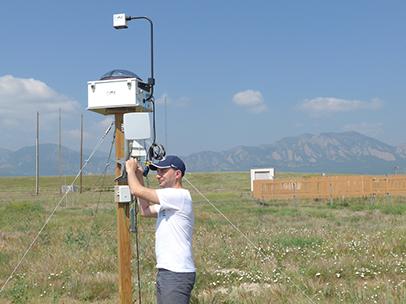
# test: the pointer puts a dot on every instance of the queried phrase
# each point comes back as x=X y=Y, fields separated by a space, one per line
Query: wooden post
x=123 y=224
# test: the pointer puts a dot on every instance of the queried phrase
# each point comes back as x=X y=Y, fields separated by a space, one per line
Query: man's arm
x=146 y=209
x=147 y=198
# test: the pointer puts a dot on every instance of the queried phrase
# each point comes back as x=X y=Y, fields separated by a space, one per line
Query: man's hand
x=136 y=183
x=132 y=165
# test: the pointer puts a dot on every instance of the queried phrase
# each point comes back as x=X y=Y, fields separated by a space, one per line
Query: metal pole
x=60 y=147
x=81 y=153
x=37 y=158
x=151 y=80
x=166 y=124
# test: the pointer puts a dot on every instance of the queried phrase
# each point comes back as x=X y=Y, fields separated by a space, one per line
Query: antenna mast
x=37 y=158
x=81 y=152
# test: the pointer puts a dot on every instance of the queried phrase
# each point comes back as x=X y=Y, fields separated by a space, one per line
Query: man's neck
x=175 y=186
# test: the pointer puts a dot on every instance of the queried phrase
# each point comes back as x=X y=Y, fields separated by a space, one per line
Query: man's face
x=166 y=177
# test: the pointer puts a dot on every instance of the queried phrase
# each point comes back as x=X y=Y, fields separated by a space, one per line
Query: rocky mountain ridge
x=346 y=152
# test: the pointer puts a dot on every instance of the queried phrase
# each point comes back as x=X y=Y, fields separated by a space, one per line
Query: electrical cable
x=153 y=120
x=54 y=210
x=134 y=199
x=155 y=151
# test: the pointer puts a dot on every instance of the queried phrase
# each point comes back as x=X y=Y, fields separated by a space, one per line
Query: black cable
x=137 y=250
x=153 y=120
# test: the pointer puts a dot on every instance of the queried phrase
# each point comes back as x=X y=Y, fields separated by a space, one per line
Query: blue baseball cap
x=170 y=161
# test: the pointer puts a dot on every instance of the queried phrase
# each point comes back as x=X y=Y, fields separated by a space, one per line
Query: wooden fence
x=321 y=187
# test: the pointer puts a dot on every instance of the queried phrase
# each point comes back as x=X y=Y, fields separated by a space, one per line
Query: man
x=172 y=205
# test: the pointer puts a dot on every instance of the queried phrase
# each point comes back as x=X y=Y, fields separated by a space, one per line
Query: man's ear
x=178 y=174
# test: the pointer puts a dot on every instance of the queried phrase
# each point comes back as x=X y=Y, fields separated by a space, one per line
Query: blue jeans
x=174 y=287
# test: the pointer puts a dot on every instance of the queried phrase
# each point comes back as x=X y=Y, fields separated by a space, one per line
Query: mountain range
x=23 y=161
x=345 y=152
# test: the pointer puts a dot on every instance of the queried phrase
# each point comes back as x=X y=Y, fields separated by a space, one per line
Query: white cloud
x=250 y=99
x=327 y=105
x=20 y=99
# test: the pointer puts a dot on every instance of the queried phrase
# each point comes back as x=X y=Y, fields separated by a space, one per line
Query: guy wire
x=266 y=257
x=105 y=169
x=101 y=187
x=222 y=214
x=55 y=208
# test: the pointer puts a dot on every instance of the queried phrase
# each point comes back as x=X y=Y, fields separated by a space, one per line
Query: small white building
x=262 y=174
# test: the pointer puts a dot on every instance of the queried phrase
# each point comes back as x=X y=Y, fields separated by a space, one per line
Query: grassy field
x=341 y=251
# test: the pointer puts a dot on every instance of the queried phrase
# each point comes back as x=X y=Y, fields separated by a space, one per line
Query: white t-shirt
x=174 y=230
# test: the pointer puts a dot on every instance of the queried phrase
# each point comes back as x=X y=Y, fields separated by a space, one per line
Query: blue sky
x=232 y=73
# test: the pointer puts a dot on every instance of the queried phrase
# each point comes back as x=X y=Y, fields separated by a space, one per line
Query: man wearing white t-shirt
x=172 y=205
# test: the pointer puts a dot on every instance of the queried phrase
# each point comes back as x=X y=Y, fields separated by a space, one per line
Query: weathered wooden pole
x=123 y=222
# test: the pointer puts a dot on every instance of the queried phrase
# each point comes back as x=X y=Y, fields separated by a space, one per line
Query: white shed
x=263 y=174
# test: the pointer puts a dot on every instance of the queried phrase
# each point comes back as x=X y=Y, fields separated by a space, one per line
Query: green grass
x=340 y=251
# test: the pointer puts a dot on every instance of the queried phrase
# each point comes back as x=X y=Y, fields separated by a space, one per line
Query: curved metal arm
x=151 y=80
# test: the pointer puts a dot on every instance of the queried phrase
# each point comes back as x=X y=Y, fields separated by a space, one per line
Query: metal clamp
x=123 y=173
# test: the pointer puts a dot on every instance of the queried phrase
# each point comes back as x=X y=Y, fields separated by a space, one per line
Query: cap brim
x=154 y=167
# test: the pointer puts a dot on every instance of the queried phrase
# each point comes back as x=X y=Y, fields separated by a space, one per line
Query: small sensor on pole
x=119 y=21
